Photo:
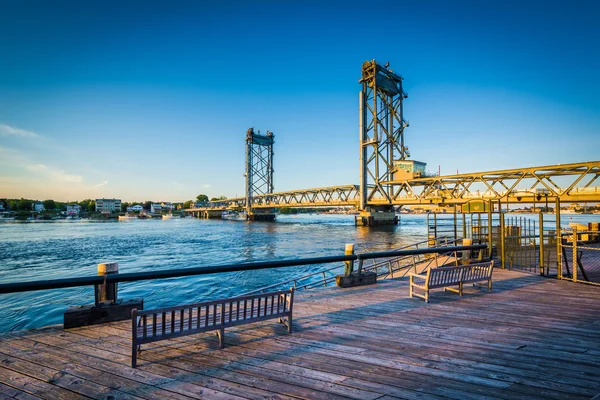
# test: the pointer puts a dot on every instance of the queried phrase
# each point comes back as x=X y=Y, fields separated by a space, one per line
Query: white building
x=156 y=208
x=37 y=206
x=73 y=209
x=107 y=206
x=137 y=208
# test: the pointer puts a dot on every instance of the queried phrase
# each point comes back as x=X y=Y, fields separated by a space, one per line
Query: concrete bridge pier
x=376 y=217
x=212 y=214
x=262 y=215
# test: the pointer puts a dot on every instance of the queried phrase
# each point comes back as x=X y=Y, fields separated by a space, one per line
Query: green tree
x=25 y=204
x=124 y=206
x=188 y=204
x=219 y=198
x=49 y=204
x=147 y=205
x=202 y=197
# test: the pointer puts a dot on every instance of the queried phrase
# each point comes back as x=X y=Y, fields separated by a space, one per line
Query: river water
x=51 y=250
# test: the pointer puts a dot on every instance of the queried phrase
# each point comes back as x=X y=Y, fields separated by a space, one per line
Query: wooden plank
x=36 y=387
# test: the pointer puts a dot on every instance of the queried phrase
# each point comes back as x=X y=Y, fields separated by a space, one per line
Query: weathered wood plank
x=531 y=338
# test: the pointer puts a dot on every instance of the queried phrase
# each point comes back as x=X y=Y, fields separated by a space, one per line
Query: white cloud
x=12 y=131
x=177 y=184
x=54 y=173
x=206 y=186
x=103 y=183
x=37 y=167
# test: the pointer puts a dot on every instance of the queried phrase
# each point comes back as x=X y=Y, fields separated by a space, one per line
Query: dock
x=532 y=337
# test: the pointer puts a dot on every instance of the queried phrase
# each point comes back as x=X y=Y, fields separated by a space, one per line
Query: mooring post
x=466 y=254
x=107 y=292
x=354 y=278
x=349 y=264
x=107 y=307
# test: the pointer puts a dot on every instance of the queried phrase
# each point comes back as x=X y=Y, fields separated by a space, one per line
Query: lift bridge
x=389 y=179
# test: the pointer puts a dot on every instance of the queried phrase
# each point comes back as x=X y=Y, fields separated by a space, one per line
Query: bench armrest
x=418 y=276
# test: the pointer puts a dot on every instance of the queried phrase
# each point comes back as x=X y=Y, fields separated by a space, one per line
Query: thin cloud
x=54 y=173
x=8 y=130
x=103 y=183
x=177 y=184
x=206 y=186
x=37 y=167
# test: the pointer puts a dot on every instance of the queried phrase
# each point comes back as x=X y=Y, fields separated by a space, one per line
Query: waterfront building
x=73 y=209
x=137 y=208
x=37 y=206
x=155 y=208
x=107 y=206
x=167 y=206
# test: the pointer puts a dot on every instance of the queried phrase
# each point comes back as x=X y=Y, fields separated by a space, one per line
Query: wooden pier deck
x=531 y=338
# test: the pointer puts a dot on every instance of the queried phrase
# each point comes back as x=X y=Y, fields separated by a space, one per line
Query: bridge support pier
x=267 y=215
x=211 y=214
x=376 y=218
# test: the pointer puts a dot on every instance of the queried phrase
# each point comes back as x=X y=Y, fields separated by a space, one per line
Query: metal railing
x=17 y=287
x=321 y=277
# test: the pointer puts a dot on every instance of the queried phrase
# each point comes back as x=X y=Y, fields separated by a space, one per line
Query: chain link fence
x=580 y=261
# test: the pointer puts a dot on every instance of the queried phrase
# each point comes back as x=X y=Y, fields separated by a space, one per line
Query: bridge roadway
x=566 y=182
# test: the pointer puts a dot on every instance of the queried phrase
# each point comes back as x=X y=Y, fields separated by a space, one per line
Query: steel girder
x=567 y=182
x=381 y=125
x=259 y=165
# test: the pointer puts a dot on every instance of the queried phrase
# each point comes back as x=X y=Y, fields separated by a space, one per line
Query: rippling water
x=32 y=251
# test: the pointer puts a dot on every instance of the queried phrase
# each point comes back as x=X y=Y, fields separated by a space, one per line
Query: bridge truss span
x=565 y=182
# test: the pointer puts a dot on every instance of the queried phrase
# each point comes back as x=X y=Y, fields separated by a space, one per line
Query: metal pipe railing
x=17 y=287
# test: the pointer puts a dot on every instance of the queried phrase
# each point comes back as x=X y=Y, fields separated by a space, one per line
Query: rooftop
x=530 y=338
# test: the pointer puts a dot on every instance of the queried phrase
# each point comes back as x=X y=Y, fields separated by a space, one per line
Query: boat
x=127 y=217
x=167 y=216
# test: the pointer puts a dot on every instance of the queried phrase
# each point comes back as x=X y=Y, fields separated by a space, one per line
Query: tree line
x=89 y=205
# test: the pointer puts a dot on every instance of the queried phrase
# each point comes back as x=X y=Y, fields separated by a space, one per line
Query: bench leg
x=221 y=335
x=134 y=350
x=289 y=324
x=489 y=285
x=427 y=296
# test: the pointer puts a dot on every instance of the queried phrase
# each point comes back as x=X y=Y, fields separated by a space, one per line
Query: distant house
x=37 y=206
x=1 y=206
x=107 y=206
x=73 y=209
x=156 y=208
x=167 y=206
x=137 y=208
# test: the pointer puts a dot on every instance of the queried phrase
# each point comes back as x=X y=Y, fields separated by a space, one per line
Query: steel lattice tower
x=259 y=165
x=381 y=132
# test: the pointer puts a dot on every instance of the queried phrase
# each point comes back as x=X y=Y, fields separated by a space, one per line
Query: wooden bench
x=171 y=322
x=447 y=277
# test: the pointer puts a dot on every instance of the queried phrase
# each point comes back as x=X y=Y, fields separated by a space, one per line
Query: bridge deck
x=531 y=338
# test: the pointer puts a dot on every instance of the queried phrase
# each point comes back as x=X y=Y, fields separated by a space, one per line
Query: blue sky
x=151 y=101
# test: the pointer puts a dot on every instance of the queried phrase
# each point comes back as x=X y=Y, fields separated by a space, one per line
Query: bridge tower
x=381 y=124
x=259 y=172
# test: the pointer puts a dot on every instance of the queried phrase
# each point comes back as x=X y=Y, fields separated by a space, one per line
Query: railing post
x=575 y=237
x=558 y=239
x=502 y=241
x=349 y=264
x=542 y=261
